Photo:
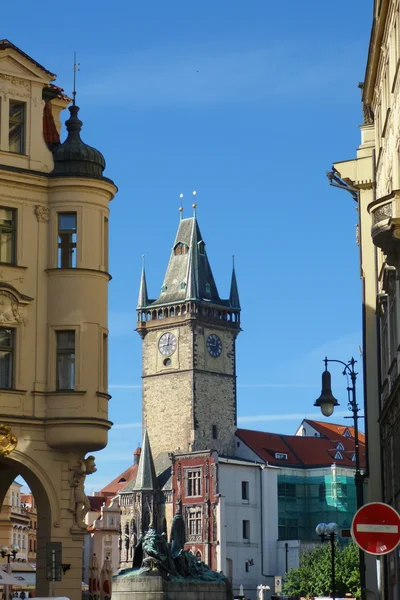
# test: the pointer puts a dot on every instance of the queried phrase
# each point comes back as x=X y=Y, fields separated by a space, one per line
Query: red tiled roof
x=6 y=44
x=119 y=482
x=303 y=452
x=326 y=429
x=96 y=502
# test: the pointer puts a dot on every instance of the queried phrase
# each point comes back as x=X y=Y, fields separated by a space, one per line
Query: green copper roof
x=234 y=293
x=143 y=298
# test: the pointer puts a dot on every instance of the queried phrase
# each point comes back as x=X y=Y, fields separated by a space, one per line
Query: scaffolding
x=306 y=498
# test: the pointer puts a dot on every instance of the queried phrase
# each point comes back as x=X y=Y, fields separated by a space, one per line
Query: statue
x=260 y=591
x=153 y=554
x=79 y=503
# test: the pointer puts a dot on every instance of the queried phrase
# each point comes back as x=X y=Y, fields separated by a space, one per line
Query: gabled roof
x=6 y=45
x=302 y=452
x=162 y=467
x=329 y=430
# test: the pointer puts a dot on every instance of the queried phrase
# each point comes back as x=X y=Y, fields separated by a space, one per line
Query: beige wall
x=54 y=429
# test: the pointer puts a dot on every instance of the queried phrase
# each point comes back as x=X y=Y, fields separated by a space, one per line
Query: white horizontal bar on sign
x=365 y=528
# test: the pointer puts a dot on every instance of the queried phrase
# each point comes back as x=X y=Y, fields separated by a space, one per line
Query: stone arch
x=47 y=505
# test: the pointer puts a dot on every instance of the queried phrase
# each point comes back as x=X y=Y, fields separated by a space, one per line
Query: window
x=66 y=241
x=347 y=433
x=23 y=542
x=215 y=432
x=246 y=530
x=65 y=360
x=245 y=490
x=281 y=455
x=286 y=490
x=12 y=498
x=105 y=361
x=14 y=538
x=111 y=522
x=340 y=446
x=7 y=236
x=202 y=248
x=193 y=482
x=194 y=522
x=338 y=456
x=16 y=132
x=180 y=249
x=6 y=358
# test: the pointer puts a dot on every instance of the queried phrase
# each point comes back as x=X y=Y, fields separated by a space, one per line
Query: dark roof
x=302 y=452
x=96 y=502
x=74 y=158
x=143 y=298
x=189 y=275
x=234 y=293
x=6 y=44
x=146 y=479
x=162 y=467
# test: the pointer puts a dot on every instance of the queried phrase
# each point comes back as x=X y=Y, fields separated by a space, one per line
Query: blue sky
x=248 y=103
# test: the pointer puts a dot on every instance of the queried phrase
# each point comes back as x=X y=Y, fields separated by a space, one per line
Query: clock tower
x=189 y=358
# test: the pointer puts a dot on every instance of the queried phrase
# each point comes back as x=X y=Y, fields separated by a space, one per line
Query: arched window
x=180 y=249
x=202 y=247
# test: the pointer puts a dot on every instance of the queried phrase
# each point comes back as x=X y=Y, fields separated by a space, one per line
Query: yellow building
x=15 y=523
x=54 y=211
x=374 y=176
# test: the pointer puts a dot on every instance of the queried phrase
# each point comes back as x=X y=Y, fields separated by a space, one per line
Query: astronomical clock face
x=167 y=344
x=214 y=345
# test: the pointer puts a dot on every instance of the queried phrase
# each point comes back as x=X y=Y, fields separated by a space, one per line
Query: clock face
x=167 y=344
x=214 y=345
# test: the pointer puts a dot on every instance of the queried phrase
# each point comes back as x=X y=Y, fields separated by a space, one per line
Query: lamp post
x=327 y=402
x=11 y=551
x=329 y=531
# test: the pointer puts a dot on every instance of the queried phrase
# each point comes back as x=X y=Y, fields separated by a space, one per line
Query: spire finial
x=194 y=205
x=233 y=261
x=181 y=205
x=76 y=69
x=143 y=261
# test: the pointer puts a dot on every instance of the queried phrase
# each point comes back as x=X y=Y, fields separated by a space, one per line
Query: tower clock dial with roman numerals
x=167 y=344
x=214 y=345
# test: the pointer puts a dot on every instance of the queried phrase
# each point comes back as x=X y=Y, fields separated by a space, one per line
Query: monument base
x=154 y=587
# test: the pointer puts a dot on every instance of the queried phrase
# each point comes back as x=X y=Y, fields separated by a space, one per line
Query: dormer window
x=183 y=285
x=281 y=455
x=208 y=288
x=202 y=247
x=340 y=446
x=338 y=456
x=163 y=288
x=347 y=433
x=181 y=249
x=16 y=128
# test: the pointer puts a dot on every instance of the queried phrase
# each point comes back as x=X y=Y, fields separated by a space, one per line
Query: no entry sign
x=376 y=528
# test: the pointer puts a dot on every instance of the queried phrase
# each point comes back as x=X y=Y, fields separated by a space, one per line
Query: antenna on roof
x=181 y=205
x=76 y=69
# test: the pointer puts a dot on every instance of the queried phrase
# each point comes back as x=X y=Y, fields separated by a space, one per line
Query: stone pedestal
x=154 y=587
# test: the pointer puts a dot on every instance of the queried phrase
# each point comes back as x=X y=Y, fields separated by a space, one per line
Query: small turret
x=143 y=298
x=234 y=293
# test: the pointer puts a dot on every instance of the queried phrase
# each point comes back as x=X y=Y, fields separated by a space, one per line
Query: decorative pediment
x=12 y=305
x=16 y=64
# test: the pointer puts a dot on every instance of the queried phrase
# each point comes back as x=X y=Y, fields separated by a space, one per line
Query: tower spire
x=143 y=298
x=234 y=293
x=181 y=206
x=146 y=479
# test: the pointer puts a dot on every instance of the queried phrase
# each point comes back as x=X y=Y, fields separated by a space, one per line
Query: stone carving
x=9 y=310
x=42 y=213
x=8 y=441
x=383 y=212
x=79 y=503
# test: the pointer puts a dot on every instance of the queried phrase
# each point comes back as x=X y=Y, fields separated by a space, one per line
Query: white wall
x=261 y=547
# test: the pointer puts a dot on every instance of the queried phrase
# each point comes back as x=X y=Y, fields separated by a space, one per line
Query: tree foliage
x=313 y=576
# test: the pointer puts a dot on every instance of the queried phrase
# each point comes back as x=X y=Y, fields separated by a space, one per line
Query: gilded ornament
x=8 y=441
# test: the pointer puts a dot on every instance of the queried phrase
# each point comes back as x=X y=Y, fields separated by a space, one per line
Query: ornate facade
x=53 y=307
x=374 y=177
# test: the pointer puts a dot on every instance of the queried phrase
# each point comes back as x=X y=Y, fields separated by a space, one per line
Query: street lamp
x=11 y=551
x=327 y=402
x=328 y=532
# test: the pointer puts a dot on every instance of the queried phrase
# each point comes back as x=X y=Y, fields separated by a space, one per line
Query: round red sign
x=376 y=528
